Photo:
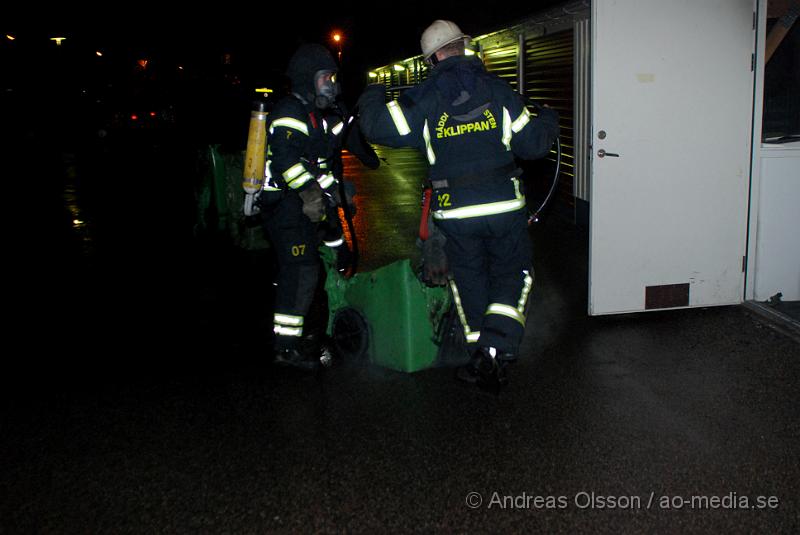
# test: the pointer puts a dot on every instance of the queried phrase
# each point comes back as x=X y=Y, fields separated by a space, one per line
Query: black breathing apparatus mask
x=326 y=90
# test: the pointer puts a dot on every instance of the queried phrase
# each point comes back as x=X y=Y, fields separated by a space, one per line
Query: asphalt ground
x=138 y=396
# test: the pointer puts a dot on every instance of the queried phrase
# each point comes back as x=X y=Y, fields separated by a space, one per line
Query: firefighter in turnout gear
x=298 y=202
x=470 y=125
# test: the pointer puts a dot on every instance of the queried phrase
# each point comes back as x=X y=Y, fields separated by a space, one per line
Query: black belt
x=464 y=181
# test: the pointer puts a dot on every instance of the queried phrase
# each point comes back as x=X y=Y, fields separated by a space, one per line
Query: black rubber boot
x=484 y=370
x=470 y=372
x=492 y=374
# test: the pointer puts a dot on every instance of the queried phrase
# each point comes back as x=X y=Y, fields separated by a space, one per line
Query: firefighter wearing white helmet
x=471 y=125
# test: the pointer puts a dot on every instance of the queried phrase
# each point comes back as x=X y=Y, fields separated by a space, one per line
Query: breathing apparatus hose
x=534 y=216
x=337 y=153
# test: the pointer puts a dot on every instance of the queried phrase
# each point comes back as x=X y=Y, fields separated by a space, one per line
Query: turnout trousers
x=294 y=238
x=490 y=261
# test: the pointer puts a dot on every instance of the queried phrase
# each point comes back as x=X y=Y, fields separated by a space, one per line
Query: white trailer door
x=672 y=96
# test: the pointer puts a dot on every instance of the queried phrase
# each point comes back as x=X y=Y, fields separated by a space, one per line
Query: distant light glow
x=152 y=114
x=180 y=67
x=134 y=117
x=143 y=63
x=58 y=40
x=373 y=75
x=10 y=37
x=263 y=90
x=77 y=222
x=99 y=54
x=337 y=37
x=469 y=52
x=399 y=68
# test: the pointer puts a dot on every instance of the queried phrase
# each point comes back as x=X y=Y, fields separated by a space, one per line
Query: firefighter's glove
x=371 y=92
x=549 y=118
x=434 y=259
x=367 y=103
x=313 y=202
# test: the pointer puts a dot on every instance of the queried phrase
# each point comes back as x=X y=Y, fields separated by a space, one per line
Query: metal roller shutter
x=502 y=61
x=548 y=69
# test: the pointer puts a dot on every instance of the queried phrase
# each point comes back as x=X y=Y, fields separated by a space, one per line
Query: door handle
x=602 y=154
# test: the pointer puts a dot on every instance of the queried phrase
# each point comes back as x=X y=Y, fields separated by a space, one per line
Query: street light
x=337 y=38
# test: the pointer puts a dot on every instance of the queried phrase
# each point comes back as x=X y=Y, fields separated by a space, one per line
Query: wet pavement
x=137 y=396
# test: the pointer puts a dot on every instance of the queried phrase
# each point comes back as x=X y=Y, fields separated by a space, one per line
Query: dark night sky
x=374 y=35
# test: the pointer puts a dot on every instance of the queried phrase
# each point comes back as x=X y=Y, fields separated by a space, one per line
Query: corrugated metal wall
x=502 y=61
x=548 y=72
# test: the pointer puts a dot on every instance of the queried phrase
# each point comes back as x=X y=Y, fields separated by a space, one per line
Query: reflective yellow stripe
x=506 y=128
x=288 y=122
x=461 y=315
x=520 y=122
x=473 y=337
x=527 y=284
x=293 y=172
x=288 y=331
x=286 y=319
x=334 y=243
x=477 y=210
x=506 y=310
x=336 y=130
x=427 y=136
x=325 y=181
x=399 y=119
x=517 y=192
x=299 y=181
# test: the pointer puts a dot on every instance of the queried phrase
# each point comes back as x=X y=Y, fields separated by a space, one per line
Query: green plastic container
x=386 y=313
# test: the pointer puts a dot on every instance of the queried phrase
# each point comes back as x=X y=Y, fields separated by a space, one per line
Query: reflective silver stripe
x=461 y=315
x=527 y=284
x=336 y=130
x=427 y=136
x=334 y=243
x=506 y=310
x=325 y=181
x=506 y=128
x=288 y=122
x=299 y=181
x=477 y=210
x=399 y=119
x=288 y=331
x=293 y=172
x=473 y=337
x=520 y=122
x=286 y=319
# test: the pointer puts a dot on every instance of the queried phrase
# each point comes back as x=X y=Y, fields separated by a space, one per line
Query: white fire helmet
x=439 y=34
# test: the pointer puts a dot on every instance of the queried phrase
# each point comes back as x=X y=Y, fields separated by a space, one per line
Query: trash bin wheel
x=350 y=334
